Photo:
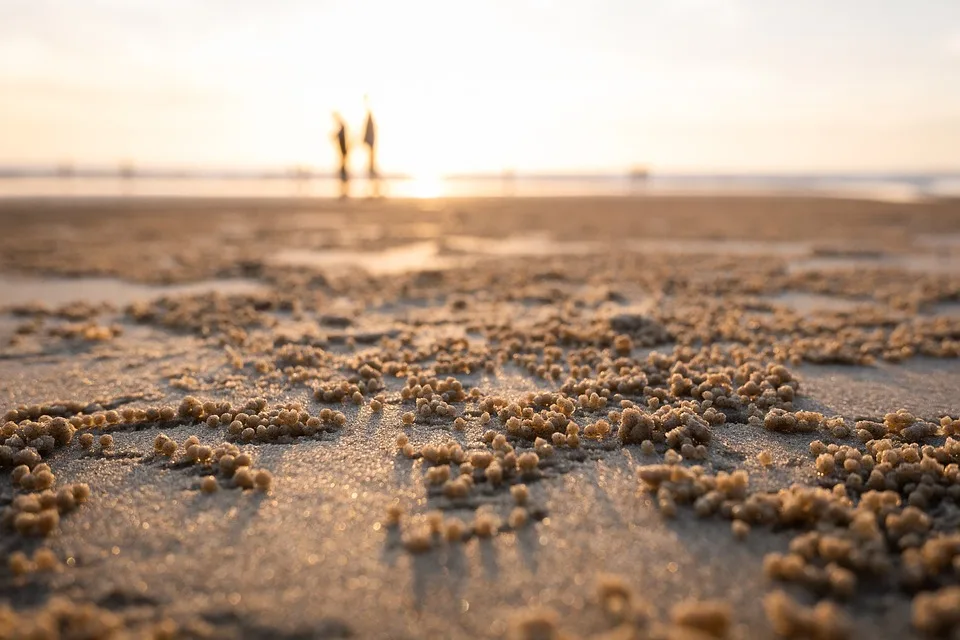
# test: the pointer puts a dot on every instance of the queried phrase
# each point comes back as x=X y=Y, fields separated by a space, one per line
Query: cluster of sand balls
x=677 y=427
x=674 y=400
x=902 y=425
x=76 y=331
x=695 y=395
x=937 y=613
x=686 y=428
x=782 y=421
x=525 y=345
x=457 y=356
x=38 y=514
x=688 y=619
x=425 y=388
x=454 y=472
x=256 y=422
x=106 y=441
x=424 y=533
x=210 y=314
x=74 y=310
x=292 y=355
x=859 y=336
x=89 y=331
x=44 y=560
x=46 y=433
x=282 y=424
x=924 y=475
x=428 y=409
x=35 y=427
x=345 y=391
x=526 y=420
x=30 y=433
x=27 y=441
x=433 y=398
x=897 y=288
x=307 y=363
x=673 y=483
x=680 y=405
x=790 y=619
x=40 y=478
x=61 y=617
x=585 y=358
x=225 y=461
x=548 y=370
x=874 y=520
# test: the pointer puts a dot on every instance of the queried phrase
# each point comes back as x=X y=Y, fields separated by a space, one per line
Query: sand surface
x=116 y=305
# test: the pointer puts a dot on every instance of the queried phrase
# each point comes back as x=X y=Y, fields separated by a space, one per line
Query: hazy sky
x=727 y=85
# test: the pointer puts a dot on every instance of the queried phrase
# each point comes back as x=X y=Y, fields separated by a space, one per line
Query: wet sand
x=665 y=307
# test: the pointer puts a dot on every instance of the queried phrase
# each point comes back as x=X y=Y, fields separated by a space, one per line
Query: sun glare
x=425 y=187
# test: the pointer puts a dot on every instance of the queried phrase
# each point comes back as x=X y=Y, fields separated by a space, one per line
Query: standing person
x=341 y=138
x=370 y=139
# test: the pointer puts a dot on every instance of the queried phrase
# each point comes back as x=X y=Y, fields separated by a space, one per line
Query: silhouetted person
x=341 y=137
x=370 y=139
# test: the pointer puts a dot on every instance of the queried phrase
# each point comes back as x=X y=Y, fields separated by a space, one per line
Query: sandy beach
x=621 y=418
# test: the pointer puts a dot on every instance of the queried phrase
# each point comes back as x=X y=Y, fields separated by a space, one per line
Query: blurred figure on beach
x=341 y=138
x=370 y=140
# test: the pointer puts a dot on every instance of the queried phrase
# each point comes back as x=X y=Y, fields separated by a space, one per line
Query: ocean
x=24 y=183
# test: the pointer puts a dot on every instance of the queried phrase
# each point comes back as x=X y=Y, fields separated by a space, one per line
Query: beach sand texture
x=534 y=418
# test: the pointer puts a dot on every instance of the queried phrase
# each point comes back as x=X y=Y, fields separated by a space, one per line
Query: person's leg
x=374 y=177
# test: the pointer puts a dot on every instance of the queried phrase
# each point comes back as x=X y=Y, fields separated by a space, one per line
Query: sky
x=462 y=86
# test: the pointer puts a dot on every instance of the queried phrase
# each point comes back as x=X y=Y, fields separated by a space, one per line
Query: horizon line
x=130 y=170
